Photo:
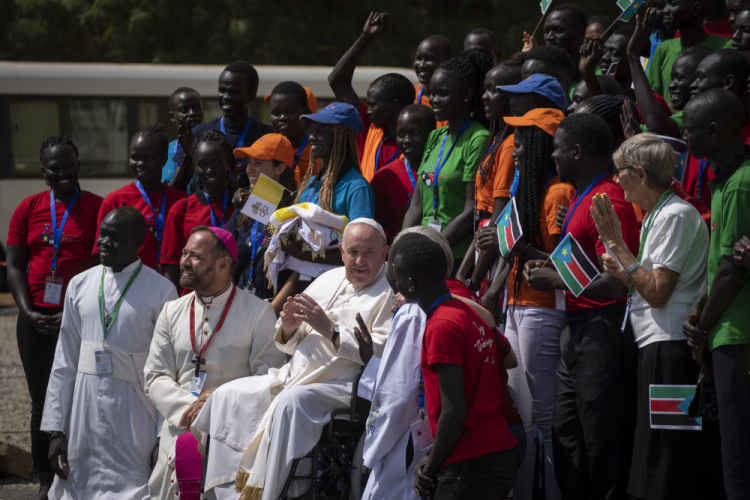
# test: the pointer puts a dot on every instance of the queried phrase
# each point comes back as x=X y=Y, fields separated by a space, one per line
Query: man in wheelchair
x=258 y=426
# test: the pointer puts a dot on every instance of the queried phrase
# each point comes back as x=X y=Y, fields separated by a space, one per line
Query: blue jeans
x=489 y=477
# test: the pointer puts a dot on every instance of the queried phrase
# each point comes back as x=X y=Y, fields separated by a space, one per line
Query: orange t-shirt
x=302 y=164
x=556 y=193
x=485 y=195
x=505 y=169
x=425 y=99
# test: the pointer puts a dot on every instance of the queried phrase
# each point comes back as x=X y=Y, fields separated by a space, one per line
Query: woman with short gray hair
x=665 y=279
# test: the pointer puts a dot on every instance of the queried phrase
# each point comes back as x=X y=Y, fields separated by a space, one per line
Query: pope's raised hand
x=289 y=323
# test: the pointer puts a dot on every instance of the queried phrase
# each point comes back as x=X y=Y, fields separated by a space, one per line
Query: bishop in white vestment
x=240 y=346
x=260 y=425
x=109 y=424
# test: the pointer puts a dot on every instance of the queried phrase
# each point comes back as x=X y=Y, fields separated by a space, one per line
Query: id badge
x=435 y=223
x=196 y=386
x=103 y=362
x=53 y=286
x=421 y=431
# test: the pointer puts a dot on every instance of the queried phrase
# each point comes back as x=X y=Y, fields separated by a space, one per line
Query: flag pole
x=537 y=26
x=611 y=26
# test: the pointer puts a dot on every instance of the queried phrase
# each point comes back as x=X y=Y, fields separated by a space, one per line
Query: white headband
x=370 y=222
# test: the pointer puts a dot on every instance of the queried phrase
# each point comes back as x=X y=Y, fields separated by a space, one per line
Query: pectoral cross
x=197 y=361
x=107 y=319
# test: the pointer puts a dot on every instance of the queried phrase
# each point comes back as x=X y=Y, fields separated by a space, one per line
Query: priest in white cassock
x=391 y=450
x=104 y=428
x=259 y=425
x=216 y=334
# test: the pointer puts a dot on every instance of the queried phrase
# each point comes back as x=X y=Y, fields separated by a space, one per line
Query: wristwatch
x=632 y=268
x=336 y=332
x=470 y=285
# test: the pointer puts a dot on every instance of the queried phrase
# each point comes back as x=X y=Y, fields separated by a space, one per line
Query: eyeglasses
x=617 y=170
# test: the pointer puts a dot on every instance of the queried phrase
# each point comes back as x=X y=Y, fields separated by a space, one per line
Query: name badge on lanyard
x=53 y=284
x=421 y=431
x=103 y=361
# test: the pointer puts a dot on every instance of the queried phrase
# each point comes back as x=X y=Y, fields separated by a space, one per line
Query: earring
x=578 y=157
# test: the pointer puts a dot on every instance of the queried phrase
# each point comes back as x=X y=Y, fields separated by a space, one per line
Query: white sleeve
x=161 y=374
x=264 y=353
x=59 y=400
x=671 y=241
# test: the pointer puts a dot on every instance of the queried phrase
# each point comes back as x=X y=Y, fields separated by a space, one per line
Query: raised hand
x=307 y=310
x=642 y=36
x=605 y=218
x=529 y=42
x=375 y=24
x=289 y=322
x=364 y=339
x=628 y=120
x=591 y=53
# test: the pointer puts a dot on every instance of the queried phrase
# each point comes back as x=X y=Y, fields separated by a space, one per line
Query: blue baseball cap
x=541 y=84
x=338 y=112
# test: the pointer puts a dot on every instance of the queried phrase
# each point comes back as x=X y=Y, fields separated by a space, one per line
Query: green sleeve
x=736 y=206
x=677 y=118
x=654 y=75
x=474 y=149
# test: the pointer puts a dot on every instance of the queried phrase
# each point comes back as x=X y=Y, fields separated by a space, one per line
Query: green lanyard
x=107 y=320
x=644 y=233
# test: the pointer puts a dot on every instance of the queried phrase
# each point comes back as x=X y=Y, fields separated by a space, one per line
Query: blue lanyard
x=377 y=156
x=58 y=231
x=578 y=201
x=222 y=222
x=446 y=296
x=310 y=194
x=255 y=241
x=701 y=170
x=514 y=186
x=300 y=150
x=241 y=141
x=158 y=217
x=419 y=96
x=439 y=165
x=174 y=151
x=410 y=173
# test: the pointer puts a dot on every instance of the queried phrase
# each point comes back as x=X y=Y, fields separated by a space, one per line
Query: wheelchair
x=337 y=469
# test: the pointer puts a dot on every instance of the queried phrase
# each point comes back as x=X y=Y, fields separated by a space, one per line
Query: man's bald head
x=364 y=251
x=439 y=44
x=121 y=234
x=713 y=119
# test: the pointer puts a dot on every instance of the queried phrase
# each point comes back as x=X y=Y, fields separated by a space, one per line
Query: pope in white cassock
x=104 y=428
x=259 y=425
x=218 y=330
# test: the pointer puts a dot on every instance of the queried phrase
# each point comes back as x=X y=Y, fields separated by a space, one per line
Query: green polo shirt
x=660 y=70
x=458 y=169
x=677 y=118
x=730 y=206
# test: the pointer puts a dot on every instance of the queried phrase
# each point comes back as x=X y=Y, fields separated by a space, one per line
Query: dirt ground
x=16 y=406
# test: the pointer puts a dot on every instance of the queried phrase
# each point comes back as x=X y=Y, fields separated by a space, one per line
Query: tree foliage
x=295 y=32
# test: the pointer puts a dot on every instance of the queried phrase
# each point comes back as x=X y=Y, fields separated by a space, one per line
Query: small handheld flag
x=508 y=228
x=668 y=405
x=263 y=200
x=574 y=267
x=545 y=5
x=628 y=9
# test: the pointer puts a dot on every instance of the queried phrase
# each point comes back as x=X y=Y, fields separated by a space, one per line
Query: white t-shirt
x=678 y=241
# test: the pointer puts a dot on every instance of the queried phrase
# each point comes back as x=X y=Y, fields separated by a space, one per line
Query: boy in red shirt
x=474 y=451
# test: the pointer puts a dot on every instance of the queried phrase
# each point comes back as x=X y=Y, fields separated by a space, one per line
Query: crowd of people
x=591 y=347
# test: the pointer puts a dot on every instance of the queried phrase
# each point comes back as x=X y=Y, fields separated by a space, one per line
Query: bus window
x=99 y=127
x=31 y=122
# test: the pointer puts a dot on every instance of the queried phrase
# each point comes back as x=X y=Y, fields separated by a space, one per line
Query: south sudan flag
x=669 y=407
x=574 y=267
x=508 y=228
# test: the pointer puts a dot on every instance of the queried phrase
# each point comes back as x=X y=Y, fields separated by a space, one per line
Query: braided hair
x=344 y=150
x=216 y=136
x=395 y=86
x=536 y=165
x=156 y=131
x=56 y=140
x=470 y=68
x=499 y=130
x=608 y=107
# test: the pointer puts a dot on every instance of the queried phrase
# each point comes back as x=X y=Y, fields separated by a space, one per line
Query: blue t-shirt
x=352 y=196
x=167 y=171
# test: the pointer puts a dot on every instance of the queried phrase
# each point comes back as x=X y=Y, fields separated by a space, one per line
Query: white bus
x=101 y=106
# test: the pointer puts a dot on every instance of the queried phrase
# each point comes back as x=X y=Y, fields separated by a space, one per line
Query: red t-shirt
x=722 y=27
x=130 y=196
x=31 y=227
x=583 y=229
x=182 y=218
x=393 y=192
x=510 y=413
x=456 y=335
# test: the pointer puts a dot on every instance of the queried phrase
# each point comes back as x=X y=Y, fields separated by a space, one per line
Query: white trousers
x=534 y=333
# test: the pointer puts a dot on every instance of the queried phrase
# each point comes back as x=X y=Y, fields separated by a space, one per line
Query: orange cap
x=547 y=119
x=312 y=102
x=269 y=147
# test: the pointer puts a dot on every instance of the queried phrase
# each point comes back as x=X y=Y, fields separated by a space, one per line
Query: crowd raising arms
x=560 y=139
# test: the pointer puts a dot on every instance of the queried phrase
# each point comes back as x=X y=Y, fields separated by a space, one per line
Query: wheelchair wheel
x=359 y=472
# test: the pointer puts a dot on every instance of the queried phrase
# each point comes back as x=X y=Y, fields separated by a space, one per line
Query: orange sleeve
x=505 y=169
x=559 y=194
